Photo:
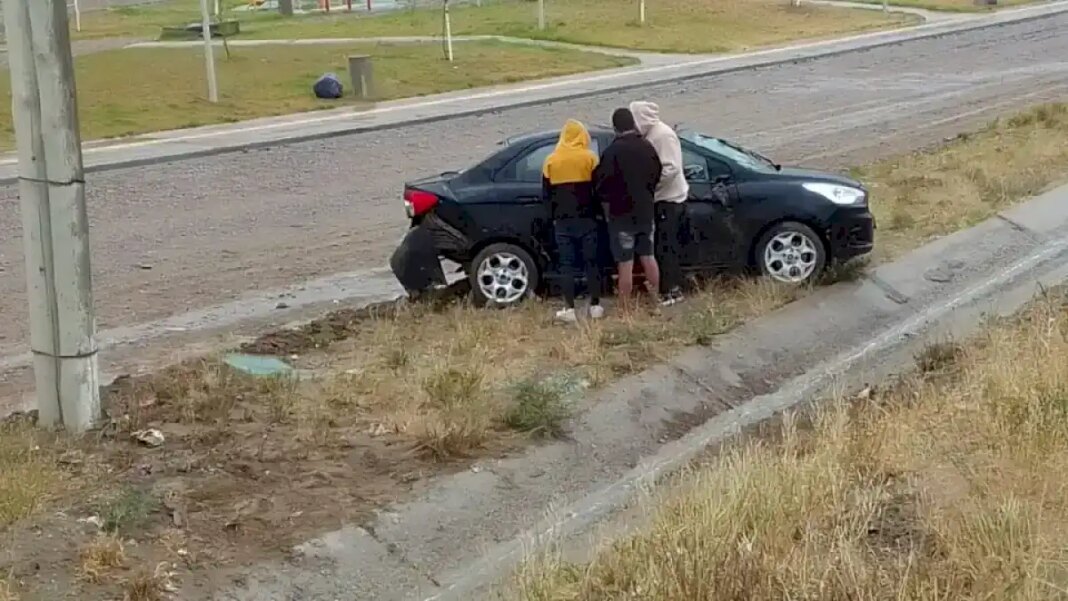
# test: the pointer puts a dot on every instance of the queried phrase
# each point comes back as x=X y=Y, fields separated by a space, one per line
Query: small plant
x=939 y=357
x=462 y=415
x=128 y=511
x=543 y=406
x=101 y=556
x=146 y=584
x=708 y=323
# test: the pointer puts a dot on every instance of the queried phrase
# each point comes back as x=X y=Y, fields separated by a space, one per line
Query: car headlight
x=839 y=195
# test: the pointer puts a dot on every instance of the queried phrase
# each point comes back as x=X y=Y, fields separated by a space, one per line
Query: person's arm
x=670 y=157
x=658 y=169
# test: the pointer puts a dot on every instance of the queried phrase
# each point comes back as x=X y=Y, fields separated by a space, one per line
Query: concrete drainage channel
x=470 y=529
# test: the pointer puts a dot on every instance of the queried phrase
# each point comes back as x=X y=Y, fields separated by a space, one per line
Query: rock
x=93 y=520
x=282 y=305
x=150 y=437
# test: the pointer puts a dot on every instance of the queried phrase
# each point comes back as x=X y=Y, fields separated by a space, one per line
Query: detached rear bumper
x=852 y=234
x=415 y=262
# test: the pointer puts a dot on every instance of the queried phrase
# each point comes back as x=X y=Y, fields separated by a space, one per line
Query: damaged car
x=744 y=212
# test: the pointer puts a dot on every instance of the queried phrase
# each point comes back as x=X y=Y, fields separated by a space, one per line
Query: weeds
x=128 y=511
x=460 y=407
x=947 y=489
x=542 y=406
x=7 y=589
x=28 y=473
x=146 y=584
x=102 y=556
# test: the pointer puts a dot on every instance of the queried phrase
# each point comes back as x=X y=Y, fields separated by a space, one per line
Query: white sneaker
x=596 y=311
x=566 y=316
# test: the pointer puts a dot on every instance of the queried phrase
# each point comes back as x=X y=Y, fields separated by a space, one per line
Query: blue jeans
x=577 y=243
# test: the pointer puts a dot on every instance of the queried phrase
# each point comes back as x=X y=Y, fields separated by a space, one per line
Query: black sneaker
x=671 y=298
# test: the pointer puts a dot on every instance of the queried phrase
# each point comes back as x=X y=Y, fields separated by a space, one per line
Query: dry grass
x=102 y=557
x=28 y=473
x=452 y=383
x=928 y=194
x=7 y=590
x=147 y=584
x=671 y=25
x=949 y=488
x=124 y=92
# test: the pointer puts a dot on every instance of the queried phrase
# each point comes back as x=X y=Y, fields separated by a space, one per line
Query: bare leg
x=626 y=281
x=652 y=274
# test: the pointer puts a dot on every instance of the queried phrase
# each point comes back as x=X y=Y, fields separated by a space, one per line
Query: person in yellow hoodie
x=567 y=178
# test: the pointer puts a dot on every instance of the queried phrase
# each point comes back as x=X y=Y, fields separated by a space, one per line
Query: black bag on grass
x=328 y=87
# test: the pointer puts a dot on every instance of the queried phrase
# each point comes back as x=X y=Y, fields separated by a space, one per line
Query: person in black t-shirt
x=626 y=181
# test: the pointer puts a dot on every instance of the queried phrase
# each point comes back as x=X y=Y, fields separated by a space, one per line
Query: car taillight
x=417 y=202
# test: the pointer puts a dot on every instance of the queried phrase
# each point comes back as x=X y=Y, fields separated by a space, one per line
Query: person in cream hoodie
x=671 y=192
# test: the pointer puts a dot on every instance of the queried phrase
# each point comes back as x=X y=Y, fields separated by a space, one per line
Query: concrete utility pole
x=54 y=220
x=209 y=53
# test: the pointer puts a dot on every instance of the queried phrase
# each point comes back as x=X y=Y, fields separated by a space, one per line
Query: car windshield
x=742 y=156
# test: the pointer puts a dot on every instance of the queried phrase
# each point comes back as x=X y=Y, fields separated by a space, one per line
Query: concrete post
x=285 y=7
x=56 y=226
x=361 y=73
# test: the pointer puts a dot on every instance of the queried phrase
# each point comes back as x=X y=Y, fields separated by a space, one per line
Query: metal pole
x=448 y=33
x=55 y=223
x=541 y=15
x=77 y=16
x=209 y=54
x=641 y=11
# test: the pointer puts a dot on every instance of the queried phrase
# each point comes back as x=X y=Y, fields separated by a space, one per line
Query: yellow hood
x=572 y=161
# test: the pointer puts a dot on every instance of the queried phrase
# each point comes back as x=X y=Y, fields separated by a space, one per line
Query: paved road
x=212 y=229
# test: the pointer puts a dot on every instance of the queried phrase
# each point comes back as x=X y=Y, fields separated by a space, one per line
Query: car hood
x=812 y=175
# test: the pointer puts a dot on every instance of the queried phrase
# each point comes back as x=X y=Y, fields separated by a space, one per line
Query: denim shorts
x=629 y=239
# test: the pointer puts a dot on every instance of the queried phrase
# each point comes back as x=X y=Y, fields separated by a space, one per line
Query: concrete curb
x=191 y=144
x=468 y=530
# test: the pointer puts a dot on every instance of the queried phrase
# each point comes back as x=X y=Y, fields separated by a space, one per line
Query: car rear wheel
x=502 y=275
x=791 y=253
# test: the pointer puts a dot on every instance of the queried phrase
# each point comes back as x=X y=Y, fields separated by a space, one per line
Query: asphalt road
x=177 y=236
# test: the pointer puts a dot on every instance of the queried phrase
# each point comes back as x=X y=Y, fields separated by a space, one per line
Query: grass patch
x=101 y=557
x=942 y=489
x=125 y=92
x=542 y=406
x=28 y=472
x=671 y=25
x=128 y=511
x=928 y=194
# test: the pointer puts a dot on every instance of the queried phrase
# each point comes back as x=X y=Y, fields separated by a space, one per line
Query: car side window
x=528 y=167
x=700 y=169
x=694 y=166
x=717 y=169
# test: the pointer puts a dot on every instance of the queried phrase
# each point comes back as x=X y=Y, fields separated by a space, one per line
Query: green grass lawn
x=125 y=92
x=671 y=26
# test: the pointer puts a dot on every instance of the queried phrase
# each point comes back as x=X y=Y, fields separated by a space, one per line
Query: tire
x=791 y=253
x=496 y=273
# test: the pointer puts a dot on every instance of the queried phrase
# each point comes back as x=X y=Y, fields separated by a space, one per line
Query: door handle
x=529 y=199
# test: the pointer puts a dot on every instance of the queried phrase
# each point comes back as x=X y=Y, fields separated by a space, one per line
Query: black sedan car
x=744 y=211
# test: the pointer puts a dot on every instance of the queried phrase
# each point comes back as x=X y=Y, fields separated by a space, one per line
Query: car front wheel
x=502 y=275
x=791 y=253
